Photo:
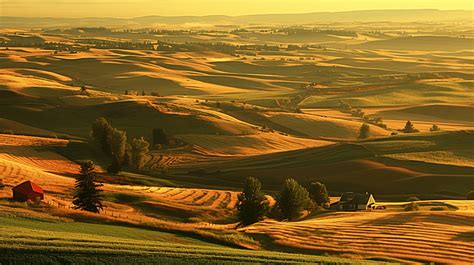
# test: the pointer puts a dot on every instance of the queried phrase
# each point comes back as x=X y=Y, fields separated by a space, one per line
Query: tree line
x=252 y=206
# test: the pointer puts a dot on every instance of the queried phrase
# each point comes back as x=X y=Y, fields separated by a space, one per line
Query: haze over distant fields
x=128 y=9
x=401 y=15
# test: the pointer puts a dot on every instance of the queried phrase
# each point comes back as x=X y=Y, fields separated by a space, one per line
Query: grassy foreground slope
x=28 y=238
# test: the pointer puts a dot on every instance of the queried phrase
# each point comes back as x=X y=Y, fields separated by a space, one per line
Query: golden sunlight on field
x=316 y=138
x=444 y=237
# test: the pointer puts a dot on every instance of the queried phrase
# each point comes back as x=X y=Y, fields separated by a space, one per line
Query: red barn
x=28 y=191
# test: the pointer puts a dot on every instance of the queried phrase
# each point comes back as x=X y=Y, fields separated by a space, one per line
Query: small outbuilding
x=28 y=191
x=351 y=201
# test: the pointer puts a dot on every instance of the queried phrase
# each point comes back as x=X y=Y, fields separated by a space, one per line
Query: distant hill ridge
x=394 y=15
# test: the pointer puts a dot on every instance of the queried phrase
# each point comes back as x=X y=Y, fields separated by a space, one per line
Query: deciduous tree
x=292 y=199
x=252 y=206
x=318 y=193
x=139 y=148
x=435 y=128
x=118 y=142
x=100 y=133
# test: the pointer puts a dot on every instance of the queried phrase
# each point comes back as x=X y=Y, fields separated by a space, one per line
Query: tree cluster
x=110 y=44
x=113 y=143
x=291 y=200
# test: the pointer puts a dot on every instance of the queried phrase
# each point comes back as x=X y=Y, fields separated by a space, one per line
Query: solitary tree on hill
x=87 y=195
x=143 y=93
x=251 y=205
x=139 y=148
x=318 y=193
x=83 y=90
x=364 y=131
x=435 y=128
x=292 y=199
x=409 y=128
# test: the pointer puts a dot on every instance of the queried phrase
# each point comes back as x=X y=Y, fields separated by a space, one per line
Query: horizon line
x=245 y=15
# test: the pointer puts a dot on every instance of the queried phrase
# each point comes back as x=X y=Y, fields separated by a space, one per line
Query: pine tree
x=318 y=193
x=139 y=148
x=251 y=205
x=292 y=199
x=364 y=131
x=87 y=195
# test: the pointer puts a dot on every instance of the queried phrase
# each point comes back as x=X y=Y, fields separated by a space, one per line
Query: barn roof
x=355 y=198
x=27 y=187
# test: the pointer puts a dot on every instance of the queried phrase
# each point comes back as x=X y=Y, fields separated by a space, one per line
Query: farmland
x=193 y=210
x=408 y=236
x=93 y=243
x=216 y=103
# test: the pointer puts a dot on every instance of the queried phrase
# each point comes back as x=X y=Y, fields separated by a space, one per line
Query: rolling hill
x=166 y=224
x=387 y=165
x=421 y=43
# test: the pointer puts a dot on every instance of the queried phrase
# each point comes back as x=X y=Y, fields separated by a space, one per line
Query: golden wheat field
x=442 y=237
x=22 y=159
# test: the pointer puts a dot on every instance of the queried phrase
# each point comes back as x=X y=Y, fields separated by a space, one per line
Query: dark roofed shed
x=355 y=201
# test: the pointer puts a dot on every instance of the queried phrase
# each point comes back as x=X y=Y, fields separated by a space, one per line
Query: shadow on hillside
x=393 y=219
x=465 y=236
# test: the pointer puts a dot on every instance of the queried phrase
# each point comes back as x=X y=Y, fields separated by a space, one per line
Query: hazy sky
x=122 y=8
